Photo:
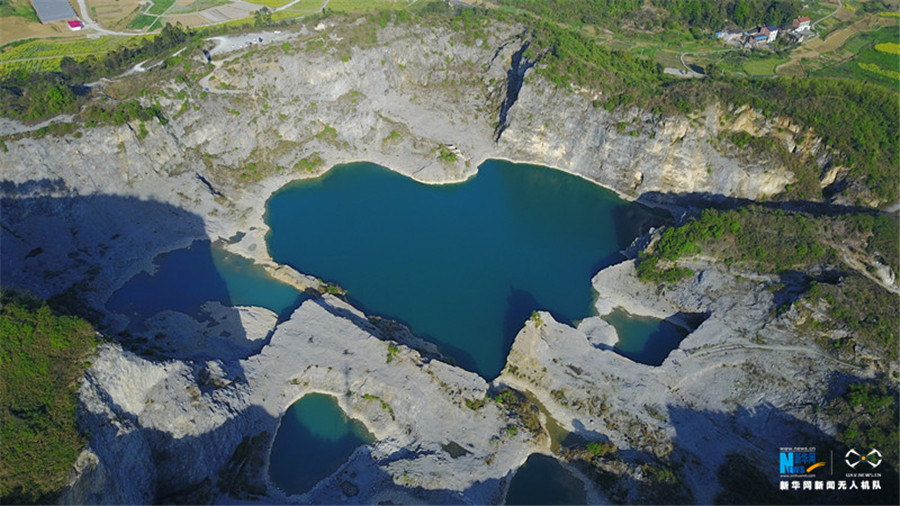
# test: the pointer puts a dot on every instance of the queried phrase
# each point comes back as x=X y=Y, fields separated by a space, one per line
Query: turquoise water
x=187 y=278
x=314 y=439
x=543 y=480
x=463 y=265
x=645 y=339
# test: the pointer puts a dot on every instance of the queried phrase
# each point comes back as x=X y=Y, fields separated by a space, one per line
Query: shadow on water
x=72 y=249
x=543 y=480
x=314 y=438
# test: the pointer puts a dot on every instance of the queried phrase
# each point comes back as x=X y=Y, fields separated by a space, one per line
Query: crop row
x=41 y=65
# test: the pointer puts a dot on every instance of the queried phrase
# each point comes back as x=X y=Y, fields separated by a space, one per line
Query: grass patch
x=142 y=21
x=44 y=48
x=763 y=66
x=351 y=6
x=270 y=3
x=43 y=357
x=160 y=6
x=18 y=8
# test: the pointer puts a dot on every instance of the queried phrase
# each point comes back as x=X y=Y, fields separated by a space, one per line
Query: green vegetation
x=19 y=8
x=43 y=356
x=743 y=482
x=446 y=155
x=775 y=241
x=518 y=405
x=310 y=163
x=392 y=352
x=536 y=319
x=26 y=94
x=384 y=405
x=704 y=14
x=867 y=417
x=866 y=61
x=601 y=449
x=327 y=134
x=475 y=404
x=142 y=21
x=391 y=136
x=44 y=48
x=659 y=481
x=859 y=120
x=159 y=7
x=235 y=478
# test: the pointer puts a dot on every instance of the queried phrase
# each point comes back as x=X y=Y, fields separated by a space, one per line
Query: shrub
x=42 y=356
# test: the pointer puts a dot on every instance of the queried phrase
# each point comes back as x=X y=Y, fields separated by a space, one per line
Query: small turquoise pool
x=314 y=439
x=645 y=339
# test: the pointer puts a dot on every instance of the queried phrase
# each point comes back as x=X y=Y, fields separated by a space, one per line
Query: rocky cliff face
x=742 y=382
x=88 y=213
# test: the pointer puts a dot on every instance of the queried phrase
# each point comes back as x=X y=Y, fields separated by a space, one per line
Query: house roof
x=75 y=24
x=804 y=18
x=53 y=10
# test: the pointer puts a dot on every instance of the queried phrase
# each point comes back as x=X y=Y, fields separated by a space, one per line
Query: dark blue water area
x=187 y=278
x=645 y=339
x=543 y=480
x=463 y=265
x=314 y=439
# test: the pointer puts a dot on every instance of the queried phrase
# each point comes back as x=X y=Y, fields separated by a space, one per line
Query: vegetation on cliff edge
x=43 y=355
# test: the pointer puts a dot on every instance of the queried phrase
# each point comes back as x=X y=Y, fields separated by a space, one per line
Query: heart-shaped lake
x=463 y=265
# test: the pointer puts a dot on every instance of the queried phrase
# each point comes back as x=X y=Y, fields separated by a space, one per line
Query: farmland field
x=143 y=21
x=38 y=65
x=188 y=6
x=43 y=48
x=271 y=4
x=19 y=8
x=763 y=66
x=160 y=6
x=867 y=63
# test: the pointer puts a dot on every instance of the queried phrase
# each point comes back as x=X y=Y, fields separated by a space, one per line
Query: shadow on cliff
x=229 y=463
x=705 y=200
x=747 y=468
x=362 y=475
x=140 y=465
x=74 y=250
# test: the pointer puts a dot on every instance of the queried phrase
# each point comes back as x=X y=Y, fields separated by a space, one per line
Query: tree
x=262 y=17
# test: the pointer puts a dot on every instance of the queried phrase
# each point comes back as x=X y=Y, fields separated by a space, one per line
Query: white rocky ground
x=739 y=383
x=102 y=206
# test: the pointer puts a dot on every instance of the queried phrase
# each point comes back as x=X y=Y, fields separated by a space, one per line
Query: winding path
x=704 y=52
x=93 y=25
x=823 y=18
